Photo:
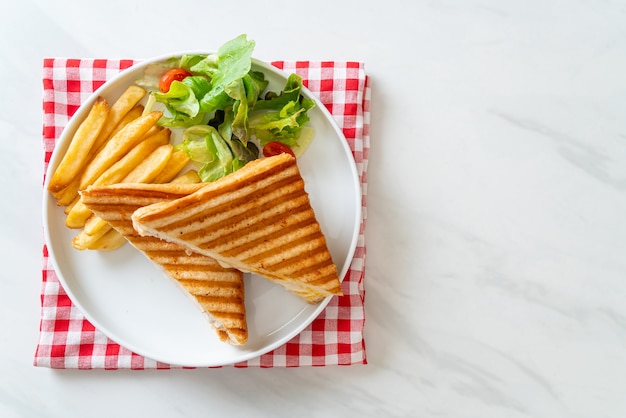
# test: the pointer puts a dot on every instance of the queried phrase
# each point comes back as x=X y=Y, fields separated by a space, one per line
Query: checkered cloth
x=68 y=340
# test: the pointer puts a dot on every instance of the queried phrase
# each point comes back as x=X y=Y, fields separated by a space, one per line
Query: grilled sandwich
x=219 y=291
x=257 y=219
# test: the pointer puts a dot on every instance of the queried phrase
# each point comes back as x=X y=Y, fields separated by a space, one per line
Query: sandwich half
x=257 y=219
x=218 y=290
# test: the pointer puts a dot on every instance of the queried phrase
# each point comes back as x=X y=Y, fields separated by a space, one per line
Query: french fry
x=78 y=150
x=145 y=172
x=153 y=131
x=69 y=207
x=66 y=196
x=176 y=163
x=79 y=213
x=118 y=146
x=110 y=241
x=96 y=226
x=150 y=168
x=190 y=176
x=94 y=229
x=132 y=114
x=135 y=156
x=122 y=106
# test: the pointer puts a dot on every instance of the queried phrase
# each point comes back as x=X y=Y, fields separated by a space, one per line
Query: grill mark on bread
x=241 y=209
x=147 y=194
x=150 y=244
x=216 y=193
x=272 y=233
x=212 y=288
x=199 y=273
x=226 y=233
x=318 y=261
x=319 y=270
x=291 y=247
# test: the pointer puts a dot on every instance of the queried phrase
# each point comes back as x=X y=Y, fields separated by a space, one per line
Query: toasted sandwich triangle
x=257 y=219
x=219 y=291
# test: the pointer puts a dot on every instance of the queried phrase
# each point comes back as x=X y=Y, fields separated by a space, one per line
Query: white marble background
x=496 y=269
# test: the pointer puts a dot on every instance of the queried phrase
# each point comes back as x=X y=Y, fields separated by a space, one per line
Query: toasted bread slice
x=257 y=219
x=219 y=291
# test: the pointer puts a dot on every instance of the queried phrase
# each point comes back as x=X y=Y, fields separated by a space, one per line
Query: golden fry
x=96 y=226
x=135 y=156
x=66 y=196
x=69 y=207
x=176 y=163
x=133 y=114
x=152 y=131
x=190 y=176
x=94 y=229
x=118 y=146
x=108 y=242
x=123 y=105
x=150 y=168
x=78 y=150
x=78 y=215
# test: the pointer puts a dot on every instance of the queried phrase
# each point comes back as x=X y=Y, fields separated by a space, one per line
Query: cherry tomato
x=177 y=74
x=274 y=148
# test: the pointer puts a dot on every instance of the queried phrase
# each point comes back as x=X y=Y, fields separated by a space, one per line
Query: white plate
x=127 y=298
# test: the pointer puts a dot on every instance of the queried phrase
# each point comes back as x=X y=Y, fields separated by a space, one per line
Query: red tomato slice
x=177 y=74
x=274 y=148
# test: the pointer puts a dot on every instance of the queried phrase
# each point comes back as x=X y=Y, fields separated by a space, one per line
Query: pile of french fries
x=119 y=143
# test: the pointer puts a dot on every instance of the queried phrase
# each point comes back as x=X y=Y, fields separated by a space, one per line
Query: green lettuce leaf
x=290 y=93
x=182 y=101
x=234 y=60
x=281 y=117
x=217 y=155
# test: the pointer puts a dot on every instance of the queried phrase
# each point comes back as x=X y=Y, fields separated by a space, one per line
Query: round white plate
x=131 y=301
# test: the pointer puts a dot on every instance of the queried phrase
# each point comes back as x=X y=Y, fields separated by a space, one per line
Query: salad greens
x=219 y=156
x=281 y=117
x=224 y=108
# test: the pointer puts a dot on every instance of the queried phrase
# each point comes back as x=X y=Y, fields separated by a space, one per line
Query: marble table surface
x=496 y=234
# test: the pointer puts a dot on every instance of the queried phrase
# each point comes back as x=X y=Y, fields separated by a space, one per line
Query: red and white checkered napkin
x=68 y=340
